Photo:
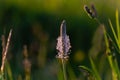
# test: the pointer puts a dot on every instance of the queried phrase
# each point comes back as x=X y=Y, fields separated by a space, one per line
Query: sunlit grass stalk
x=114 y=34
x=63 y=46
x=118 y=26
x=112 y=59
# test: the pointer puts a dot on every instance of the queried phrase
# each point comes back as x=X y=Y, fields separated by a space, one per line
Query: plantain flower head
x=63 y=42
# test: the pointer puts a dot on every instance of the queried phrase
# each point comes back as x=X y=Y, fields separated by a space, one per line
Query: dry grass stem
x=5 y=50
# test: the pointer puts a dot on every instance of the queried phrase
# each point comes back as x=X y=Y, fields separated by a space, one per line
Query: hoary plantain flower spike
x=63 y=42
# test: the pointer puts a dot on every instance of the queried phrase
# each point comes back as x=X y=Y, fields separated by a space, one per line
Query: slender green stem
x=97 y=20
x=64 y=69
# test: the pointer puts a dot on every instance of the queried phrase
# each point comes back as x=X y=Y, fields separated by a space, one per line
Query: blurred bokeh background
x=36 y=24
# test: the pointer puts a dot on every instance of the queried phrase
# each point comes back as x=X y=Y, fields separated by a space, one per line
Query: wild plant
x=63 y=47
x=112 y=47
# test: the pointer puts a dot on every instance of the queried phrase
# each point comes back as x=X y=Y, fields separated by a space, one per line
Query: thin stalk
x=5 y=51
x=64 y=69
x=95 y=69
x=97 y=20
x=118 y=26
x=114 y=34
x=113 y=62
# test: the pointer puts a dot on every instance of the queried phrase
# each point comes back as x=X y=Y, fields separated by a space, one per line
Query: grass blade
x=88 y=73
x=8 y=70
x=113 y=62
x=94 y=69
x=114 y=34
x=118 y=27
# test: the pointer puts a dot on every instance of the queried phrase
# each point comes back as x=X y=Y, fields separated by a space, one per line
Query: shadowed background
x=36 y=24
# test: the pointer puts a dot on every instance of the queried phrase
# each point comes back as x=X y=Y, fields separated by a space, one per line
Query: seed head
x=63 y=42
x=94 y=10
x=91 y=11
